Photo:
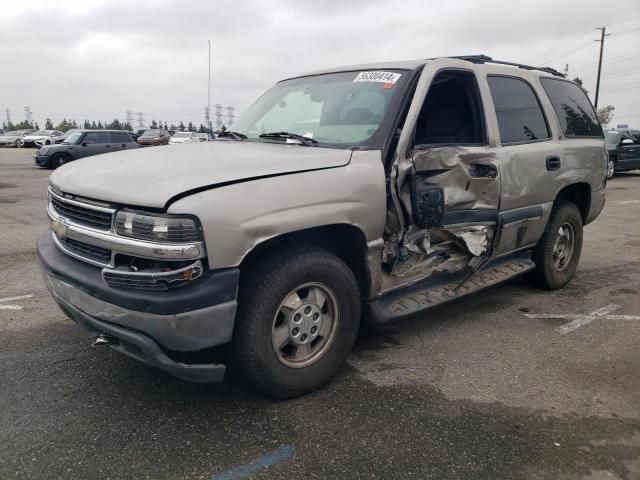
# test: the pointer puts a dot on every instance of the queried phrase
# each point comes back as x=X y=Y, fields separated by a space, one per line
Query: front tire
x=558 y=252
x=19 y=143
x=58 y=160
x=298 y=318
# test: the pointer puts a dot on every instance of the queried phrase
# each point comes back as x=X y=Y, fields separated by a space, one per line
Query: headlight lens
x=158 y=228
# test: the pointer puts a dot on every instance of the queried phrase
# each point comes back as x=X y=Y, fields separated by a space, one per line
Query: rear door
x=121 y=141
x=532 y=161
x=629 y=153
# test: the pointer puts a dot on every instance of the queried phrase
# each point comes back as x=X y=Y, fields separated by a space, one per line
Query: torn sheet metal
x=424 y=252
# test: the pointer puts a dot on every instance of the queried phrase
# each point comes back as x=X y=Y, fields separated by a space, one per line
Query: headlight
x=158 y=228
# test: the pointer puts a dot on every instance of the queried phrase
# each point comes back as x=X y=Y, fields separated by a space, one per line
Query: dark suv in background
x=156 y=136
x=84 y=143
x=624 y=150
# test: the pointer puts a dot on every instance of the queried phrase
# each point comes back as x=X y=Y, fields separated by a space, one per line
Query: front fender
x=237 y=217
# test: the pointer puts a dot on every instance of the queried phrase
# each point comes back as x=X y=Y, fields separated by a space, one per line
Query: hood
x=179 y=140
x=150 y=177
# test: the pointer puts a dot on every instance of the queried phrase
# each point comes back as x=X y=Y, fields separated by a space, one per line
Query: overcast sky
x=96 y=59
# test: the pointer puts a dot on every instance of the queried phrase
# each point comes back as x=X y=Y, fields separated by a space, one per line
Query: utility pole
x=230 y=115
x=129 y=117
x=209 y=90
x=140 y=119
x=603 y=29
x=219 y=115
x=566 y=69
x=8 y=118
x=27 y=115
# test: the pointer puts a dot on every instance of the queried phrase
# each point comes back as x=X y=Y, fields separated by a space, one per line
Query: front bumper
x=42 y=160
x=148 y=326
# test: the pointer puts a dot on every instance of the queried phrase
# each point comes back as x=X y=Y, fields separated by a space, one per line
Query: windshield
x=181 y=135
x=151 y=133
x=74 y=138
x=42 y=133
x=339 y=109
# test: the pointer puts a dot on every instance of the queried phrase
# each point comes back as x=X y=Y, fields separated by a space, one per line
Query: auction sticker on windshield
x=381 y=77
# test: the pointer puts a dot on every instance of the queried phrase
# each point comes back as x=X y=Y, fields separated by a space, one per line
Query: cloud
x=97 y=59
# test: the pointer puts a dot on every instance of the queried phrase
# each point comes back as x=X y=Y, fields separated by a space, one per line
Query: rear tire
x=298 y=318
x=19 y=143
x=558 y=252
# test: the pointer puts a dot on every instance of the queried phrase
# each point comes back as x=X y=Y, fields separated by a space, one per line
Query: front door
x=450 y=183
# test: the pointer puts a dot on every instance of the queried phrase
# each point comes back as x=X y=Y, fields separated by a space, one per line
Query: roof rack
x=486 y=59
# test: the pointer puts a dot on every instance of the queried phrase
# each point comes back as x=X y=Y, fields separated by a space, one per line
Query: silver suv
x=373 y=191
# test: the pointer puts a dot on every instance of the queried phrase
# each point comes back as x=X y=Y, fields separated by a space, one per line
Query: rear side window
x=573 y=108
x=120 y=137
x=520 y=117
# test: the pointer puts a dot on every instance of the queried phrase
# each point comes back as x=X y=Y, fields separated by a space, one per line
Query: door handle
x=124 y=145
x=107 y=146
x=553 y=163
x=483 y=170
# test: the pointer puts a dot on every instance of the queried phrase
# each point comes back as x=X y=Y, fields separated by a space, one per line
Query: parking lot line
x=11 y=299
x=578 y=320
x=278 y=455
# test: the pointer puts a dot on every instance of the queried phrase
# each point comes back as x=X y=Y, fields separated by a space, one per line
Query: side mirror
x=427 y=202
x=84 y=144
x=627 y=141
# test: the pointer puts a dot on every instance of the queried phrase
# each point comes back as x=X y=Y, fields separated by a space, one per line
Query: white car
x=14 y=138
x=42 y=138
x=184 y=137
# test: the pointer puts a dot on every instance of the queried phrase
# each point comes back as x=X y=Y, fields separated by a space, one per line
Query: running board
x=405 y=302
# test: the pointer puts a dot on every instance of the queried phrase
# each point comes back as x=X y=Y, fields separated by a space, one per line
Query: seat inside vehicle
x=451 y=112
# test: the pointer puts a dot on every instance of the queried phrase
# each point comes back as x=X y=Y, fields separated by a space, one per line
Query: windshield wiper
x=234 y=135
x=309 y=142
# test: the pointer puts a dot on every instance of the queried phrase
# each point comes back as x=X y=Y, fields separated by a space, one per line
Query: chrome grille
x=80 y=214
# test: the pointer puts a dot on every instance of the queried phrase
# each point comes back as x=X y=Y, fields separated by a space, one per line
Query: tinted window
x=120 y=137
x=520 y=118
x=573 y=108
x=96 y=137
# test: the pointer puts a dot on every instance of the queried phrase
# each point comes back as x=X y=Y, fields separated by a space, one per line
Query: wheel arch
x=579 y=194
x=346 y=241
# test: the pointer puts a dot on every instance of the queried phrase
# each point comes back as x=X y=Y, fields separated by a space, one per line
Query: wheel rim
x=563 y=246
x=19 y=143
x=305 y=325
x=58 y=160
x=610 y=169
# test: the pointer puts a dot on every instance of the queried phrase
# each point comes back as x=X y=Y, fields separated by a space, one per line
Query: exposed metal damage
x=412 y=253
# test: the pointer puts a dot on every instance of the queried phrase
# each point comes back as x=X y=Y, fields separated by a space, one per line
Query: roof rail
x=486 y=59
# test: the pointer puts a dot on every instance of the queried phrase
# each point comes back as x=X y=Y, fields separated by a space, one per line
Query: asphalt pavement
x=513 y=382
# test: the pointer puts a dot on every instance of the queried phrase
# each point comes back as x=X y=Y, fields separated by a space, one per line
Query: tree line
x=116 y=124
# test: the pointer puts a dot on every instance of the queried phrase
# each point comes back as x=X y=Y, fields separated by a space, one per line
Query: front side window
x=520 y=117
x=574 y=110
x=451 y=112
x=339 y=109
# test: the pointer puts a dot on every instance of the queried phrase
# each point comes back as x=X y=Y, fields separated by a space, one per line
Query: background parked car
x=203 y=137
x=156 y=136
x=184 y=137
x=84 y=143
x=137 y=133
x=66 y=134
x=41 y=137
x=14 y=138
x=624 y=150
